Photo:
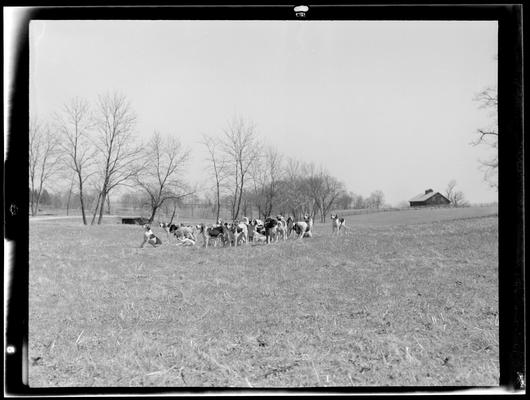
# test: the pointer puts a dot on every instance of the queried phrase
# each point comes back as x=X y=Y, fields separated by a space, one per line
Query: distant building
x=429 y=198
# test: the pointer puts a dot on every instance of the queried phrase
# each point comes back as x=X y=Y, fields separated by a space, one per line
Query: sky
x=382 y=105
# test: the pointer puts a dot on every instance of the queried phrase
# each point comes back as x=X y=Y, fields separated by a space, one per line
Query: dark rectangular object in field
x=135 y=221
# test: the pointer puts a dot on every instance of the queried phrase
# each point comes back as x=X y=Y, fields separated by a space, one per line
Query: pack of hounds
x=238 y=232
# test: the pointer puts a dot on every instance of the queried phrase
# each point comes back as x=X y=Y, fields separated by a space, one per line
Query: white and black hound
x=165 y=227
x=235 y=233
x=150 y=237
x=337 y=224
x=301 y=228
x=211 y=233
x=168 y=227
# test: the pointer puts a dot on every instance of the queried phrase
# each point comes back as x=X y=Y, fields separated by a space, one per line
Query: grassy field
x=404 y=298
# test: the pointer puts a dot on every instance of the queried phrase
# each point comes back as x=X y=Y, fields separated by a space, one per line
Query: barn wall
x=437 y=200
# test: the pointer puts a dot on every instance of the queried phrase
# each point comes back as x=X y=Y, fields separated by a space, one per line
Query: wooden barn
x=429 y=198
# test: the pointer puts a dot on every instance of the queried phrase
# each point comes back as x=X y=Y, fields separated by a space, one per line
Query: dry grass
x=383 y=305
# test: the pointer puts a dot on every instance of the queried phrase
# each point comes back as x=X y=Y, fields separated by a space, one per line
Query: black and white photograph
x=256 y=204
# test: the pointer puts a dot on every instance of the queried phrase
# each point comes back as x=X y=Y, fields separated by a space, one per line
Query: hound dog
x=186 y=231
x=239 y=232
x=271 y=229
x=184 y=241
x=309 y=221
x=165 y=227
x=150 y=237
x=227 y=233
x=211 y=233
x=248 y=223
x=290 y=224
x=282 y=227
x=301 y=228
x=253 y=235
x=169 y=228
x=259 y=226
x=337 y=224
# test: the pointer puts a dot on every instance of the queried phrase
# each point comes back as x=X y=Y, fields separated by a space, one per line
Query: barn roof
x=426 y=196
x=423 y=196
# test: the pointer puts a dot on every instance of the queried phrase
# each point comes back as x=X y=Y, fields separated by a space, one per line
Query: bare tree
x=359 y=201
x=450 y=189
x=161 y=173
x=219 y=168
x=345 y=200
x=459 y=199
x=298 y=193
x=324 y=189
x=44 y=159
x=456 y=197
x=273 y=167
x=240 y=145
x=69 y=196
x=75 y=124
x=115 y=143
x=332 y=189
x=376 y=199
x=267 y=174
x=309 y=187
x=488 y=99
x=256 y=193
x=290 y=195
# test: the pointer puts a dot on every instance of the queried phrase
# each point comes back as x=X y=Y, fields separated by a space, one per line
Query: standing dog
x=337 y=224
x=258 y=226
x=210 y=233
x=239 y=232
x=301 y=228
x=149 y=237
x=165 y=227
x=169 y=228
x=271 y=229
x=290 y=224
x=227 y=233
x=282 y=227
x=309 y=221
x=254 y=235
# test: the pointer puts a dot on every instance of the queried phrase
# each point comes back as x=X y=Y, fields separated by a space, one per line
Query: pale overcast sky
x=383 y=105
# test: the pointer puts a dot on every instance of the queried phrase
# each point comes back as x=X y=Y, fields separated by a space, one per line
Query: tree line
x=251 y=178
x=93 y=150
